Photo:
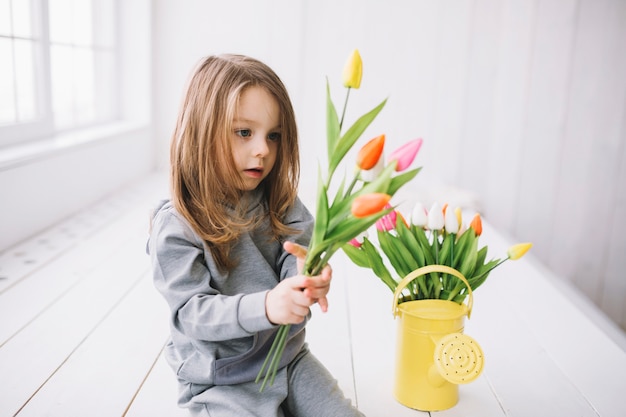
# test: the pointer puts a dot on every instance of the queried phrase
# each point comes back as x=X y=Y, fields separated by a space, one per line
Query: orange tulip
x=369 y=204
x=370 y=153
x=477 y=224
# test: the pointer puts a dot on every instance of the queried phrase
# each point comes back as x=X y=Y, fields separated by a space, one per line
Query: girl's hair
x=206 y=187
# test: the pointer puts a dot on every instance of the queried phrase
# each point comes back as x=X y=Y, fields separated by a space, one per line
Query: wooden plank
x=586 y=363
x=477 y=118
x=158 y=394
x=38 y=350
x=103 y=373
x=328 y=334
x=510 y=100
x=32 y=294
x=545 y=114
x=450 y=95
x=373 y=342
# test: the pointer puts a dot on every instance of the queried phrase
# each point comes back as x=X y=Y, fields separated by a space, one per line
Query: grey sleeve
x=180 y=274
x=301 y=219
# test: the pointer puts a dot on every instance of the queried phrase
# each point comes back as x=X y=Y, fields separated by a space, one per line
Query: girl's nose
x=260 y=146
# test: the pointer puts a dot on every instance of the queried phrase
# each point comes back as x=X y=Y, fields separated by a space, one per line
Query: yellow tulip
x=517 y=251
x=353 y=71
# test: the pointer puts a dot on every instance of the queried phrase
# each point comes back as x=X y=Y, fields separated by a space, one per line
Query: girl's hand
x=289 y=301
x=318 y=288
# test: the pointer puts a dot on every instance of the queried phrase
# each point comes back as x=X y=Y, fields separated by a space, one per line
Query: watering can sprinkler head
x=458 y=359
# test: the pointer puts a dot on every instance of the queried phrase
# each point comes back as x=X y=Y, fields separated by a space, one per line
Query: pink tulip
x=405 y=154
x=388 y=221
x=358 y=241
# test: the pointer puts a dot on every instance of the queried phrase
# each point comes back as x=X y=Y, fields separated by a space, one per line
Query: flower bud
x=435 y=217
x=451 y=222
x=517 y=251
x=405 y=154
x=477 y=225
x=369 y=204
x=370 y=153
x=419 y=216
x=353 y=70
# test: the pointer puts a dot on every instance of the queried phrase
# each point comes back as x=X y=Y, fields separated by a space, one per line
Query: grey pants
x=304 y=388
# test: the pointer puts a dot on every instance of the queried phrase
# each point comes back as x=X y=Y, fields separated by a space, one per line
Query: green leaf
x=356 y=255
x=350 y=228
x=332 y=124
x=399 y=180
x=403 y=253
x=420 y=235
x=468 y=263
x=377 y=264
x=351 y=136
x=410 y=242
x=445 y=254
x=321 y=213
x=463 y=245
x=339 y=211
x=480 y=258
x=390 y=250
x=482 y=273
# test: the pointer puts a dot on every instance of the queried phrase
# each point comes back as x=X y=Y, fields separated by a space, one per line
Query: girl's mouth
x=254 y=172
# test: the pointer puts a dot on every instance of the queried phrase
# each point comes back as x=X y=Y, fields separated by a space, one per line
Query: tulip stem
x=345 y=105
x=352 y=184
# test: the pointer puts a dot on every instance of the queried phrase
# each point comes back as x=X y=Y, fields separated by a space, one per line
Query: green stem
x=345 y=105
x=273 y=354
x=353 y=183
x=437 y=284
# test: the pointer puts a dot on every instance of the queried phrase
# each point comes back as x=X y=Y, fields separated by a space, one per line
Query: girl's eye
x=244 y=133
x=274 y=137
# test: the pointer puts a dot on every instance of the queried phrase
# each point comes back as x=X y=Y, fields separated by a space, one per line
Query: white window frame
x=43 y=127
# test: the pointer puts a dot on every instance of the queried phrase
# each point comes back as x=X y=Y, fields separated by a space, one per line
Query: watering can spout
x=458 y=359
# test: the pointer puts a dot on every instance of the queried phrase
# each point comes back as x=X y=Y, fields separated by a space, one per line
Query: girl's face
x=255 y=136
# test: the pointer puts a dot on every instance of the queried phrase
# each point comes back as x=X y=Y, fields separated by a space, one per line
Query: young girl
x=227 y=250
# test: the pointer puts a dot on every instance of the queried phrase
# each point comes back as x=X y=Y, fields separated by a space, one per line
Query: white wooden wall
x=521 y=102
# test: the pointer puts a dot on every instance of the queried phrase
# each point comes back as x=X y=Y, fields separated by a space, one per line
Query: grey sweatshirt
x=220 y=333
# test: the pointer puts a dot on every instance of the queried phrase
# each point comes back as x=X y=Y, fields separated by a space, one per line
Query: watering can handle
x=426 y=270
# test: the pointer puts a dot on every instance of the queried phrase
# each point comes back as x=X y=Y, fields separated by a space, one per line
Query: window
x=58 y=66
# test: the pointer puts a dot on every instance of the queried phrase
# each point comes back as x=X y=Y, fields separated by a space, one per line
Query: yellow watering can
x=433 y=355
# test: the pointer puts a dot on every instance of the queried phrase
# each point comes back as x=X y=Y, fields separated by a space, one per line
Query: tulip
x=405 y=154
x=370 y=175
x=353 y=70
x=370 y=153
x=459 y=216
x=477 y=224
x=451 y=222
x=517 y=251
x=435 y=217
x=358 y=241
x=388 y=221
x=369 y=204
x=419 y=216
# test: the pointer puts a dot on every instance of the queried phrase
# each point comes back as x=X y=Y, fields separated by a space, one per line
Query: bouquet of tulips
x=355 y=206
x=435 y=237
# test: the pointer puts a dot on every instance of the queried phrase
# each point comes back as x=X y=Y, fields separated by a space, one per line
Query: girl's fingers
x=323 y=303
x=295 y=249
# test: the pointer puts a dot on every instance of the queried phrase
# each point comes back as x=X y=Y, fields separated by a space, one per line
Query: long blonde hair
x=203 y=175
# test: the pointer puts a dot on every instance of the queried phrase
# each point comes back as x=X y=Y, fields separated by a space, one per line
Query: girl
x=227 y=250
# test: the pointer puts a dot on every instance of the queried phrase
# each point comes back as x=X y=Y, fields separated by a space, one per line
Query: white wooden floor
x=82 y=330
